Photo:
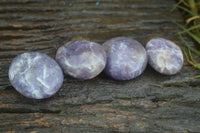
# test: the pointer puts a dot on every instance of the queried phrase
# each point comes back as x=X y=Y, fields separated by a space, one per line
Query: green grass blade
x=187 y=58
x=190 y=55
x=191 y=28
x=176 y=5
x=190 y=33
x=192 y=4
x=186 y=10
x=189 y=47
x=195 y=77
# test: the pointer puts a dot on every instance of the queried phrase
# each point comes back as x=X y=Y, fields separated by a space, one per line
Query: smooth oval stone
x=126 y=58
x=164 y=56
x=81 y=59
x=35 y=75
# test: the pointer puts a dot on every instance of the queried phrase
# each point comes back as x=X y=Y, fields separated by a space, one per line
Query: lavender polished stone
x=35 y=75
x=126 y=58
x=164 y=56
x=81 y=59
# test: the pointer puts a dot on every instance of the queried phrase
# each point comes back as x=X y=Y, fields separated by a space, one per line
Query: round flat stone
x=81 y=59
x=126 y=58
x=35 y=75
x=164 y=56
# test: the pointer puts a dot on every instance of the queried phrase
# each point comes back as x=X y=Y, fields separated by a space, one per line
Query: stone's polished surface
x=126 y=58
x=81 y=59
x=164 y=56
x=35 y=75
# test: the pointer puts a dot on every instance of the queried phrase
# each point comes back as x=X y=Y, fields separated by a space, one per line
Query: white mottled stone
x=81 y=59
x=164 y=56
x=35 y=75
x=126 y=58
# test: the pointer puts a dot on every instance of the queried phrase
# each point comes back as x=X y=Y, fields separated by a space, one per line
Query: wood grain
x=149 y=103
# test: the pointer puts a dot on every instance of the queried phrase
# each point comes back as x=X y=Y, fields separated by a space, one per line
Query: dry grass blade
x=192 y=18
x=191 y=9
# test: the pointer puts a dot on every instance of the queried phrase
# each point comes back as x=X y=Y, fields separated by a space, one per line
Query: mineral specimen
x=35 y=75
x=164 y=56
x=126 y=58
x=81 y=59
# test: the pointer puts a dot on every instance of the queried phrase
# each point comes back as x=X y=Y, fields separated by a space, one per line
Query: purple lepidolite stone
x=126 y=58
x=164 y=56
x=81 y=59
x=35 y=75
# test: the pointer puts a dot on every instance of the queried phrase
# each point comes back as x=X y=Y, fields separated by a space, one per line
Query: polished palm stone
x=164 y=56
x=126 y=58
x=81 y=59
x=35 y=75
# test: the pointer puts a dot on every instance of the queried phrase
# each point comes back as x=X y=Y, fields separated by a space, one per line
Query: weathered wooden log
x=150 y=103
